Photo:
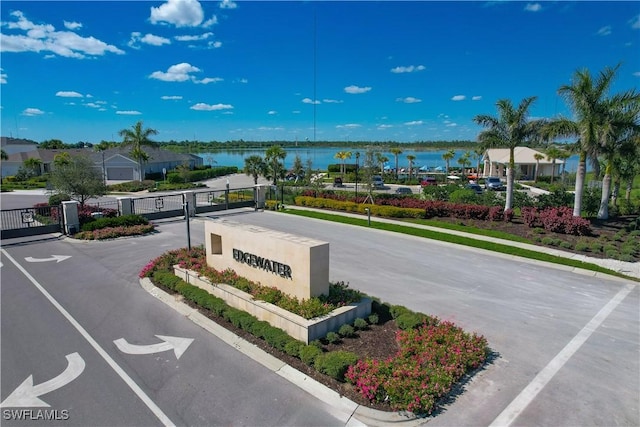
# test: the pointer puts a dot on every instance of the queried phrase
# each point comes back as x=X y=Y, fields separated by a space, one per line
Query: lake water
x=321 y=158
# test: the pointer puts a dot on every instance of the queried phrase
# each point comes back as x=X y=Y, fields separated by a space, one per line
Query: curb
x=351 y=413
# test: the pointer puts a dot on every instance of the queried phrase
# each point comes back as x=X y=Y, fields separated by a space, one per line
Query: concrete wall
x=295 y=326
x=296 y=265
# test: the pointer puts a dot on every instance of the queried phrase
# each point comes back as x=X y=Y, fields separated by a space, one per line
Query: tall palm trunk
x=603 y=212
x=579 y=188
x=508 y=204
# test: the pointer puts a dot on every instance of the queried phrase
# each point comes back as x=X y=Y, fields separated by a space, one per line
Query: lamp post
x=357 y=167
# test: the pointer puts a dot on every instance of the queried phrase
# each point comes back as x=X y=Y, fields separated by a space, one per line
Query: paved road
x=537 y=320
x=566 y=345
x=97 y=287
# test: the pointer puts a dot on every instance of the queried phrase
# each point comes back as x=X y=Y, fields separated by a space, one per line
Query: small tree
x=79 y=179
x=411 y=158
x=33 y=165
x=396 y=152
x=538 y=157
x=254 y=166
x=298 y=167
x=274 y=159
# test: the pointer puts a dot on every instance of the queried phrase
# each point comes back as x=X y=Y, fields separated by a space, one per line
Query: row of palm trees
x=606 y=127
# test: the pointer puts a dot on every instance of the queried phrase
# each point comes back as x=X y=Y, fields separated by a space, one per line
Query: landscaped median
x=430 y=356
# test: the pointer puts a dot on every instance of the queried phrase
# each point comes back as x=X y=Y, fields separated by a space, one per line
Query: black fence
x=217 y=200
x=158 y=207
x=31 y=221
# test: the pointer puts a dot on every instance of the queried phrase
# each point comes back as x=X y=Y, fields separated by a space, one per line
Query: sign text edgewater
x=274 y=267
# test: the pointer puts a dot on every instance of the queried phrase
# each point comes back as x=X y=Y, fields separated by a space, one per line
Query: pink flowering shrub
x=115 y=232
x=557 y=220
x=431 y=359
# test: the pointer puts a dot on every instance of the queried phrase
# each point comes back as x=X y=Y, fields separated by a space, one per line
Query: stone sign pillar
x=125 y=205
x=296 y=265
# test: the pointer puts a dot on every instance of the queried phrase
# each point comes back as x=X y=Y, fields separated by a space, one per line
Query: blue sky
x=317 y=70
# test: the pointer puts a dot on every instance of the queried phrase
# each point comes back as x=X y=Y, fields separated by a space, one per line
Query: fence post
x=125 y=205
x=260 y=195
x=189 y=197
x=70 y=215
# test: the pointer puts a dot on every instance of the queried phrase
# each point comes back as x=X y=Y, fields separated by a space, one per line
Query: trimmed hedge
x=119 y=221
x=200 y=174
x=335 y=363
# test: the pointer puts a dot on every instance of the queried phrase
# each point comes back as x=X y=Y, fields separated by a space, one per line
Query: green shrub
x=397 y=310
x=276 y=338
x=612 y=253
x=373 y=318
x=335 y=363
x=260 y=328
x=332 y=338
x=119 y=221
x=308 y=354
x=596 y=247
x=582 y=246
x=57 y=199
x=360 y=323
x=564 y=244
x=166 y=279
x=346 y=331
x=548 y=241
x=410 y=320
x=292 y=348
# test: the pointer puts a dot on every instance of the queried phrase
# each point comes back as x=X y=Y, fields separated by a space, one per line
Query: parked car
x=429 y=180
x=403 y=190
x=474 y=187
x=337 y=182
x=493 y=183
x=377 y=181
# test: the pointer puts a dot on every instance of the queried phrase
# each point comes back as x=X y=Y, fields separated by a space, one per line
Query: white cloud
x=181 y=13
x=409 y=69
x=414 y=123
x=459 y=98
x=45 y=38
x=176 y=73
x=270 y=128
x=68 y=94
x=384 y=126
x=96 y=105
x=137 y=38
x=272 y=113
x=332 y=101
x=637 y=74
x=206 y=107
x=128 y=113
x=349 y=126
x=635 y=22
x=208 y=80
x=171 y=97
x=3 y=77
x=353 y=89
x=228 y=4
x=32 y=112
x=214 y=45
x=451 y=124
x=476 y=98
x=194 y=38
x=604 y=31
x=243 y=80
x=72 y=25
x=533 y=7
x=309 y=101
x=409 y=100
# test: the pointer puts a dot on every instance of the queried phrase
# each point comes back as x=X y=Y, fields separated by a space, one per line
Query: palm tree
x=464 y=161
x=620 y=129
x=553 y=154
x=343 y=156
x=411 y=158
x=396 y=152
x=382 y=159
x=538 y=157
x=137 y=138
x=447 y=156
x=272 y=158
x=3 y=155
x=479 y=153
x=586 y=98
x=510 y=129
x=33 y=164
x=254 y=166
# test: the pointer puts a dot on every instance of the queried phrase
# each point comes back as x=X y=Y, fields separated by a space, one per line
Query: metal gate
x=218 y=200
x=31 y=221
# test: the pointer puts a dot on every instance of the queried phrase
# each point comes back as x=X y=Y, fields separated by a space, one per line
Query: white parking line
x=529 y=393
x=164 y=419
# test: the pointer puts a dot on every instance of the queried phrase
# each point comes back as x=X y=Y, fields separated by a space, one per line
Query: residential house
x=496 y=161
x=116 y=164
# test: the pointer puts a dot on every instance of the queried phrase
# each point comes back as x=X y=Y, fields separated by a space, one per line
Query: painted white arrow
x=56 y=258
x=28 y=394
x=177 y=344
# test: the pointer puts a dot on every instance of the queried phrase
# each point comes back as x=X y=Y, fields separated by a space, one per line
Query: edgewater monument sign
x=296 y=265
